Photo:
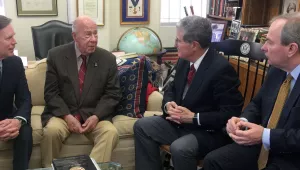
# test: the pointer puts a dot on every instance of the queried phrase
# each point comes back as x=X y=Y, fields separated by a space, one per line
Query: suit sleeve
x=52 y=97
x=112 y=94
x=22 y=96
x=169 y=93
x=285 y=140
x=227 y=98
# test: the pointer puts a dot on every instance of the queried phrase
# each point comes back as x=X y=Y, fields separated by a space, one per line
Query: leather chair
x=48 y=35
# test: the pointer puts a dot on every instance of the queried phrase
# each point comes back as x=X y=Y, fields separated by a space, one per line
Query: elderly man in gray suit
x=81 y=92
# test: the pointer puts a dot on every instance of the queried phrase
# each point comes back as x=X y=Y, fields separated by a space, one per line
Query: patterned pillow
x=133 y=75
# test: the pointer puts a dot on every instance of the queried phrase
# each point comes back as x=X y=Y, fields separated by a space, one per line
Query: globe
x=140 y=40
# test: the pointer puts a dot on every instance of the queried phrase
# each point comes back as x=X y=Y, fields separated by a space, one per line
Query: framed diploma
x=36 y=7
x=91 y=8
x=134 y=12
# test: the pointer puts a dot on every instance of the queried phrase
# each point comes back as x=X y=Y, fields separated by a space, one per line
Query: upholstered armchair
x=48 y=35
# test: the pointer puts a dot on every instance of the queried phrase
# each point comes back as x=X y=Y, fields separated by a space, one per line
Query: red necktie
x=81 y=73
x=191 y=74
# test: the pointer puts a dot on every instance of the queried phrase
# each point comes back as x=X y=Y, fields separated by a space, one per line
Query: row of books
x=223 y=8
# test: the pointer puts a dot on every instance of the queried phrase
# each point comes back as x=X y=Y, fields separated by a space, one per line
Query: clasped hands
x=179 y=114
x=9 y=129
x=75 y=126
x=236 y=130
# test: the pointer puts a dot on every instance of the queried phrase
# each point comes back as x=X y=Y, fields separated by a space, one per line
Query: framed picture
x=219 y=28
x=235 y=29
x=36 y=7
x=289 y=6
x=134 y=12
x=248 y=34
x=91 y=8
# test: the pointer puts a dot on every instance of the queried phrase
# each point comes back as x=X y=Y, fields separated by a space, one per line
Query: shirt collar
x=295 y=72
x=198 y=62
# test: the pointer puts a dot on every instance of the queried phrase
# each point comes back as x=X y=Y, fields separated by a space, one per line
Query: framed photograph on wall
x=134 y=12
x=248 y=34
x=91 y=8
x=289 y=6
x=234 y=29
x=37 y=7
x=219 y=28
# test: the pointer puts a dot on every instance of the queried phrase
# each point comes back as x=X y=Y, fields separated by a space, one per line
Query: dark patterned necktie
x=82 y=72
x=191 y=74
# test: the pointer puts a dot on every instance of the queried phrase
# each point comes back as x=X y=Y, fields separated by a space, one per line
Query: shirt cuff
x=165 y=107
x=198 y=119
x=266 y=138
x=20 y=117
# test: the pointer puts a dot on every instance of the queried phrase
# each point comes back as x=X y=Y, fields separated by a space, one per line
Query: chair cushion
x=124 y=124
x=35 y=74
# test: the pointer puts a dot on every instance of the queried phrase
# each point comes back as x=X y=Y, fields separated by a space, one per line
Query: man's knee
x=52 y=131
x=144 y=123
x=211 y=158
x=180 y=148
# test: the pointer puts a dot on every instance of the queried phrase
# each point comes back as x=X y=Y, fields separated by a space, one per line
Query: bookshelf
x=218 y=17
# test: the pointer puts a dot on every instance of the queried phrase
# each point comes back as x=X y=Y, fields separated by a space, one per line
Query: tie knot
x=192 y=68
x=289 y=78
x=83 y=57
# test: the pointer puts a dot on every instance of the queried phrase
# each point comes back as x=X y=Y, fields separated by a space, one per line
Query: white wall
x=22 y=25
x=109 y=34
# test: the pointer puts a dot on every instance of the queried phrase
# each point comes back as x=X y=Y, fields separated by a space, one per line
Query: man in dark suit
x=267 y=135
x=81 y=92
x=15 y=99
x=197 y=104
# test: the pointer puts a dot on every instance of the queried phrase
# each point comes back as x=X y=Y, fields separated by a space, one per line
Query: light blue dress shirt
x=266 y=132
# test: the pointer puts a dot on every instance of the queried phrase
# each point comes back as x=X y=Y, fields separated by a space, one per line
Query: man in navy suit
x=267 y=134
x=197 y=104
x=15 y=99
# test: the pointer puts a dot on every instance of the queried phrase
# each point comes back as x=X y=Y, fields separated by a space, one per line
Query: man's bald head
x=80 y=22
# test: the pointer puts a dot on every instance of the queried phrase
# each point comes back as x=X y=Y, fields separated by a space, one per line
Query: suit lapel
x=199 y=76
x=181 y=76
x=73 y=69
x=294 y=95
x=272 y=99
x=89 y=75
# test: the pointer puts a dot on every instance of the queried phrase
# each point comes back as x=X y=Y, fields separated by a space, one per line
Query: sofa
x=75 y=144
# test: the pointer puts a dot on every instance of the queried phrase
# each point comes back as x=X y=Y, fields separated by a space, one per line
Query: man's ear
x=293 y=48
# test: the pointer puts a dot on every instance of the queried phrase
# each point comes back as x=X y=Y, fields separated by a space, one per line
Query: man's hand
x=90 y=123
x=232 y=126
x=9 y=129
x=183 y=115
x=73 y=124
x=174 y=114
x=251 y=136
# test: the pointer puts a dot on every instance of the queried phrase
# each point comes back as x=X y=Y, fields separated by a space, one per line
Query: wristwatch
x=195 y=119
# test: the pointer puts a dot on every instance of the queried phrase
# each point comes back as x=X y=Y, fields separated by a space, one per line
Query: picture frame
x=248 y=34
x=219 y=28
x=235 y=29
x=289 y=6
x=93 y=9
x=36 y=8
x=134 y=12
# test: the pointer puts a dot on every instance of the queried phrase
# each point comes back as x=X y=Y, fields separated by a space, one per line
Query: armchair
x=48 y=35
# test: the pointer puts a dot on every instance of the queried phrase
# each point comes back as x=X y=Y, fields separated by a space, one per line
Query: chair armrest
x=154 y=101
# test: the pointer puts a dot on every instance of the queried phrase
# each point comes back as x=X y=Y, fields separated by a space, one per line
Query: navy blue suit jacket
x=285 y=138
x=15 y=98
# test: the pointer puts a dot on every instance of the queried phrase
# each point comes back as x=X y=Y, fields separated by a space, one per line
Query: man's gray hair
x=291 y=30
x=196 y=28
x=4 y=21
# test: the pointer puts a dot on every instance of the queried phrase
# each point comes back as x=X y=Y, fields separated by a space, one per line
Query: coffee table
x=103 y=166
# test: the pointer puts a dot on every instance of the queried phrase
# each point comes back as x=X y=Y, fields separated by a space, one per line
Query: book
x=81 y=162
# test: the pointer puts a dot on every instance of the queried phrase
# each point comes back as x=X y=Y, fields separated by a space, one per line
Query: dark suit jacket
x=101 y=91
x=285 y=138
x=213 y=93
x=15 y=98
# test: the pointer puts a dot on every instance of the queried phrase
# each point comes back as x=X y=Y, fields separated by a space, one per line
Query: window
x=173 y=10
x=2 y=11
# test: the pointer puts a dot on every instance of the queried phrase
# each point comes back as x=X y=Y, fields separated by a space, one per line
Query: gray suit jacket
x=101 y=91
